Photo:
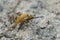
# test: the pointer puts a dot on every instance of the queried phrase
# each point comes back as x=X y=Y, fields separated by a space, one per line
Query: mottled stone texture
x=46 y=27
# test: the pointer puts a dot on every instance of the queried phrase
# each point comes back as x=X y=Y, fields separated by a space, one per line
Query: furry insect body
x=21 y=19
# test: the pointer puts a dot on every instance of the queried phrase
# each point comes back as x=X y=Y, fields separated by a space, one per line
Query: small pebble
x=1 y=8
x=34 y=6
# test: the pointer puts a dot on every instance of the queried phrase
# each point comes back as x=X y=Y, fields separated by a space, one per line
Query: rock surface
x=46 y=27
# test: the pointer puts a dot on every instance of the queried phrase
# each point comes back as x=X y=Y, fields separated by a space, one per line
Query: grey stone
x=45 y=26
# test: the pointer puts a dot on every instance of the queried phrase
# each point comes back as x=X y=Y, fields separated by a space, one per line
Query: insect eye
x=28 y=15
